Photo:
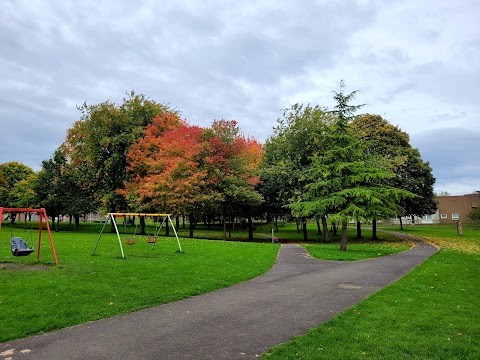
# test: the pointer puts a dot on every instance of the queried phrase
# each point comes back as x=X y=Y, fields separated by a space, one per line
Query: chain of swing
x=151 y=239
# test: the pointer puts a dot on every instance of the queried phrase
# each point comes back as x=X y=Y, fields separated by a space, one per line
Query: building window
x=443 y=216
x=454 y=216
x=428 y=217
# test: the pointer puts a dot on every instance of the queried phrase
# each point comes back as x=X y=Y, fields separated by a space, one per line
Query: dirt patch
x=11 y=266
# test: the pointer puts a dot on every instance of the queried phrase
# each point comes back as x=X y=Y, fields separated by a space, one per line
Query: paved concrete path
x=239 y=322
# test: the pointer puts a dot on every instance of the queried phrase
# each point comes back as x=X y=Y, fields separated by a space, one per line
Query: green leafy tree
x=412 y=174
x=101 y=140
x=442 y=193
x=346 y=181
x=23 y=192
x=288 y=155
x=12 y=173
x=51 y=186
x=474 y=215
x=3 y=189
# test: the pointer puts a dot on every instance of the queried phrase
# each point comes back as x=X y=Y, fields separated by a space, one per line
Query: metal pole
x=118 y=235
x=40 y=225
x=175 y=231
x=50 y=237
x=100 y=235
x=158 y=231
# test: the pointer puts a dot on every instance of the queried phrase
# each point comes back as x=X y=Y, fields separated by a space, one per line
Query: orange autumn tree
x=233 y=163
x=187 y=170
x=167 y=167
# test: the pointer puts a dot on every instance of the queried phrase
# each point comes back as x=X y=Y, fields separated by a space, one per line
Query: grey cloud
x=453 y=154
x=210 y=60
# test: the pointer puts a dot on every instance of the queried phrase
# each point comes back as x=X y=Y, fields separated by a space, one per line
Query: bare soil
x=11 y=266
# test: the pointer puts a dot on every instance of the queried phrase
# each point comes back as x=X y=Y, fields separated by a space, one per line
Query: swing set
x=131 y=239
x=19 y=246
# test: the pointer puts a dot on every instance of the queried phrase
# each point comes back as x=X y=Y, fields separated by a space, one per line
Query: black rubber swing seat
x=20 y=247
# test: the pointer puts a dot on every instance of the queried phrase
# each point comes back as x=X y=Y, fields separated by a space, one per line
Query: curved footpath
x=238 y=322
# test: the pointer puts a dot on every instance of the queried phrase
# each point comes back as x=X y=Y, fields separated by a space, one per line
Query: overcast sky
x=416 y=63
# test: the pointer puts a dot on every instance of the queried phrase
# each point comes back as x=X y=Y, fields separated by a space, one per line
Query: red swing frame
x=41 y=215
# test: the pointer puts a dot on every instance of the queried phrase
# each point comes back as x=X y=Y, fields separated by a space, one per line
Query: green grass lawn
x=358 y=249
x=85 y=287
x=432 y=313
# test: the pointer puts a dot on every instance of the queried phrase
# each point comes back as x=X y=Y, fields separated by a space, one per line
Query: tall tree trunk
x=401 y=223
x=304 y=228
x=250 y=228
x=276 y=223
x=319 y=232
x=343 y=244
x=359 y=230
x=224 y=225
x=335 y=228
x=297 y=222
x=142 y=225
x=413 y=219
x=183 y=221
x=374 y=230
x=177 y=222
x=191 y=224
x=77 y=222
x=326 y=236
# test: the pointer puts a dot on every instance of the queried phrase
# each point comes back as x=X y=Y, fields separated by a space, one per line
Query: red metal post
x=42 y=213
x=40 y=226
x=50 y=237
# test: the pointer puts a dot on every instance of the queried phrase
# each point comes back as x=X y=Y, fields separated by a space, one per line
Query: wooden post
x=459 y=228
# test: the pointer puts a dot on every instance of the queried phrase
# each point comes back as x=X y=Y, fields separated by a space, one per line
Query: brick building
x=456 y=208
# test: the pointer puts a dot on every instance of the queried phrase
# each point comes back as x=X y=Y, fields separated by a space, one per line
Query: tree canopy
x=411 y=172
x=101 y=139
x=15 y=178
x=141 y=156
x=344 y=181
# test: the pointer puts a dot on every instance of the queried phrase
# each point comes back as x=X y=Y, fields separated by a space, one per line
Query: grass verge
x=83 y=287
x=432 y=313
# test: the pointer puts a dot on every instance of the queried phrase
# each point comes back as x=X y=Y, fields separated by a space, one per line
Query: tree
x=232 y=164
x=344 y=180
x=101 y=140
x=185 y=169
x=288 y=156
x=3 y=189
x=165 y=168
x=11 y=174
x=412 y=174
x=474 y=215
x=23 y=192
x=51 y=188
x=417 y=178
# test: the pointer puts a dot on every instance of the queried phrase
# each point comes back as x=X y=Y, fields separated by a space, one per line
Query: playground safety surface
x=238 y=322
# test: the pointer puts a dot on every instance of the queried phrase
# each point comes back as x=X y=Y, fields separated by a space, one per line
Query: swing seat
x=152 y=239
x=20 y=247
x=130 y=241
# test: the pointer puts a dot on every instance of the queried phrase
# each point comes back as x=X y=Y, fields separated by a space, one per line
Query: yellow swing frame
x=111 y=220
